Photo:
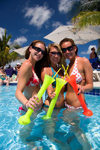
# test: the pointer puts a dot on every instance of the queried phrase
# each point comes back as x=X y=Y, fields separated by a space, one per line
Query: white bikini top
x=76 y=72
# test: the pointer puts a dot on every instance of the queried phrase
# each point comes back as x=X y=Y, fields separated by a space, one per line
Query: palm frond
x=84 y=19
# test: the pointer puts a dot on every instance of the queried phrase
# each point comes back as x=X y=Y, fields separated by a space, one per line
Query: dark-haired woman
x=82 y=69
x=79 y=66
x=29 y=75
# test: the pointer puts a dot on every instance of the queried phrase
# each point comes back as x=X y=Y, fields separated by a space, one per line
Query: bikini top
x=57 y=76
x=76 y=72
x=34 y=80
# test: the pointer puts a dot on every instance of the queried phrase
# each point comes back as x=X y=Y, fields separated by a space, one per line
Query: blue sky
x=28 y=20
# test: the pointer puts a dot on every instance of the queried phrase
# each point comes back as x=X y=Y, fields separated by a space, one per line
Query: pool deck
x=96 y=85
x=96 y=79
x=11 y=83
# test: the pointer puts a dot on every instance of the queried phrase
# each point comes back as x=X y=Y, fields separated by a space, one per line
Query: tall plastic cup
x=25 y=119
x=59 y=84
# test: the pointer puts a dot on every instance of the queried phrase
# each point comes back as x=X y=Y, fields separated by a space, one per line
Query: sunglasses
x=56 y=53
x=70 y=48
x=38 y=50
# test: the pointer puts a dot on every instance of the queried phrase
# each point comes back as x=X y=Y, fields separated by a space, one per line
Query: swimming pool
x=65 y=131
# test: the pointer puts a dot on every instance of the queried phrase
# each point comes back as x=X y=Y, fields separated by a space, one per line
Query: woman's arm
x=88 y=73
x=24 y=76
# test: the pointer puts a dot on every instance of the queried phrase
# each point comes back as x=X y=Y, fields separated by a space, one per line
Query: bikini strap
x=54 y=72
x=75 y=65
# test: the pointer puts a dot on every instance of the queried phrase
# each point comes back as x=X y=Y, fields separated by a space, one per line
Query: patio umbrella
x=21 y=51
x=80 y=37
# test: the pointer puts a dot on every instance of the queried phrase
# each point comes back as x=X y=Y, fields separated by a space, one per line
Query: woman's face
x=54 y=56
x=93 y=50
x=37 y=51
x=68 y=50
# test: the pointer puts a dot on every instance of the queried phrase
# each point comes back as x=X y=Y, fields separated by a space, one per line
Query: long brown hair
x=39 y=64
x=27 y=53
x=69 y=40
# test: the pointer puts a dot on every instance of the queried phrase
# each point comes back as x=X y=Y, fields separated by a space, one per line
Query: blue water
x=65 y=131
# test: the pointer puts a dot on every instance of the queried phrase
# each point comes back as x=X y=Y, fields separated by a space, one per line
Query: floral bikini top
x=34 y=80
x=76 y=72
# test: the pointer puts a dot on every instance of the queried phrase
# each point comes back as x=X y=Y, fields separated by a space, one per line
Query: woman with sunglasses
x=79 y=66
x=29 y=75
x=55 y=61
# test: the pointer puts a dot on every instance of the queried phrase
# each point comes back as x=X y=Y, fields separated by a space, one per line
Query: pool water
x=64 y=131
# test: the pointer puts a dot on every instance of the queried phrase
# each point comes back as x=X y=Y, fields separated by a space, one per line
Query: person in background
x=94 y=59
x=9 y=71
x=29 y=76
x=55 y=61
x=93 y=54
x=16 y=72
x=79 y=66
x=3 y=77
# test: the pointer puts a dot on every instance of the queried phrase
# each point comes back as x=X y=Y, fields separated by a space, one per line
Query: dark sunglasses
x=38 y=49
x=56 y=53
x=70 y=48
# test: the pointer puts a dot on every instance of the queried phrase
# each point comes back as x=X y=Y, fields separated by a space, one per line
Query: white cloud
x=38 y=15
x=56 y=24
x=21 y=40
x=65 y=5
x=2 y=31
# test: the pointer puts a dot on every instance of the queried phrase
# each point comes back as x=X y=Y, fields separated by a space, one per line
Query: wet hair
x=39 y=64
x=71 y=41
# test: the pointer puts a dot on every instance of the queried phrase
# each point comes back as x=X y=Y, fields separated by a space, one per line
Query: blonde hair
x=54 y=45
x=57 y=46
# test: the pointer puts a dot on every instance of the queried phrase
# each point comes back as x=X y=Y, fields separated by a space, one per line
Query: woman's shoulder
x=46 y=69
x=83 y=59
x=26 y=66
x=26 y=63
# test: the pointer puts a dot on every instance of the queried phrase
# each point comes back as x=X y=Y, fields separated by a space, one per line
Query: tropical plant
x=89 y=15
x=5 y=56
x=84 y=19
x=4 y=41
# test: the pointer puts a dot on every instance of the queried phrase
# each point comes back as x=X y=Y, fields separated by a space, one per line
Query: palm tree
x=84 y=19
x=5 y=57
x=90 y=5
x=4 y=41
x=89 y=15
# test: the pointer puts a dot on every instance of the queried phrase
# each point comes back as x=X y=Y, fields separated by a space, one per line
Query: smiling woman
x=29 y=75
x=55 y=61
x=81 y=68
